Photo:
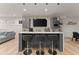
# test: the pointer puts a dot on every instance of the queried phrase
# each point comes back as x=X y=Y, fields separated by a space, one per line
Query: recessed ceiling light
x=58 y=3
x=25 y=9
x=46 y=3
x=35 y=3
x=23 y=3
x=45 y=9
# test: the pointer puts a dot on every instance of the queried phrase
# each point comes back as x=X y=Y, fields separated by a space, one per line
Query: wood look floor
x=70 y=47
x=11 y=47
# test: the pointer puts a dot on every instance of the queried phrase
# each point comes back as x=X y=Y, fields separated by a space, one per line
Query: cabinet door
x=54 y=39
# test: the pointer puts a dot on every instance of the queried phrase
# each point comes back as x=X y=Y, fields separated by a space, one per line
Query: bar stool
x=40 y=50
x=27 y=39
x=35 y=41
x=53 y=50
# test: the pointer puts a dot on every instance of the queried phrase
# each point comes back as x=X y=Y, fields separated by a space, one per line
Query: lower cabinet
x=47 y=41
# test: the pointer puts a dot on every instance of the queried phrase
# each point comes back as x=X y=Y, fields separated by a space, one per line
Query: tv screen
x=56 y=25
x=39 y=22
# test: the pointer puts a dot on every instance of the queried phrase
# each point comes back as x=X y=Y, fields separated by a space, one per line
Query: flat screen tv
x=39 y=22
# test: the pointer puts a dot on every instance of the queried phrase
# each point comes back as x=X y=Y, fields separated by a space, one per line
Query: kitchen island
x=57 y=37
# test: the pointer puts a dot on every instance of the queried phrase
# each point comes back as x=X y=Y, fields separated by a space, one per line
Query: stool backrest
x=53 y=37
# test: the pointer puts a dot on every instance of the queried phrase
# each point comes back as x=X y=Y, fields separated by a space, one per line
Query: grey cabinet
x=46 y=40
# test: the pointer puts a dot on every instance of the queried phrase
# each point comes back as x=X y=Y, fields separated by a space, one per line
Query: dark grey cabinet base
x=45 y=38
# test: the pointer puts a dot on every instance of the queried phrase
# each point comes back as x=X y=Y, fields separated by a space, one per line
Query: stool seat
x=27 y=37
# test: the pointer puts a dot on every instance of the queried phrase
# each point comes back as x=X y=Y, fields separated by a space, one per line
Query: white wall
x=68 y=29
x=10 y=24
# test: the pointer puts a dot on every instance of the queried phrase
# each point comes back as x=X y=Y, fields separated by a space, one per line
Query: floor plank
x=11 y=47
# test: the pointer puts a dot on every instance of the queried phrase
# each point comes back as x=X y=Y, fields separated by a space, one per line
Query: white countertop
x=43 y=32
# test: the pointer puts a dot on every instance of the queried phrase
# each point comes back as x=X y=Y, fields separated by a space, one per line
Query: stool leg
x=27 y=51
x=52 y=51
x=27 y=46
x=72 y=38
x=40 y=48
x=40 y=51
x=76 y=39
x=52 y=45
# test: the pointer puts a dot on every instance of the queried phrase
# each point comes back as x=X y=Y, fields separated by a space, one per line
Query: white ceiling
x=17 y=9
